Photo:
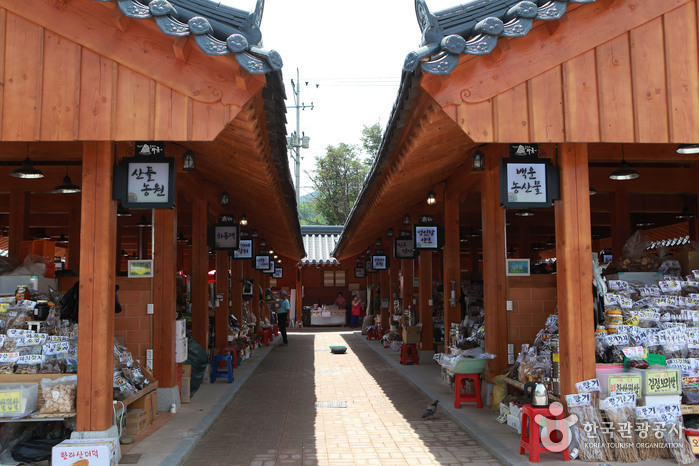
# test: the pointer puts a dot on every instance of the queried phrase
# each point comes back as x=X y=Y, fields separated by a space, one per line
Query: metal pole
x=297 y=142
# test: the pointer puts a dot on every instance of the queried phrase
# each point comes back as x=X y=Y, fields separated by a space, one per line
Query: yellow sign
x=10 y=402
x=694 y=442
x=662 y=382
x=625 y=383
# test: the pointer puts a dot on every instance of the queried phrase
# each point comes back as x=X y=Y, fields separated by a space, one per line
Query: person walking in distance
x=356 y=310
x=282 y=314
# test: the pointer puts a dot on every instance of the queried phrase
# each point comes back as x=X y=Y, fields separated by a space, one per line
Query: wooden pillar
x=164 y=295
x=200 y=274
x=97 y=285
x=247 y=275
x=222 y=310
x=236 y=297
x=256 y=297
x=494 y=274
x=621 y=221
x=384 y=278
x=19 y=212
x=299 y=294
x=574 y=269
x=424 y=305
x=408 y=291
x=74 y=241
x=393 y=271
x=451 y=261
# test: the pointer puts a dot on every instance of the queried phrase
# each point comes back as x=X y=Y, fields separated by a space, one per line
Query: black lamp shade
x=243 y=220
x=431 y=198
x=123 y=212
x=27 y=171
x=67 y=187
x=143 y=223
x=524 y=213
x=687 y=149
x=624 y=172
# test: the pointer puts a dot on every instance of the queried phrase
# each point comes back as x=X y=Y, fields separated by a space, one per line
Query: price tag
x=618 y=401
x=10 y=402
x=625 y=303
x=617 y=340
x=618 y=285
x=586 y=386
x=646 y=412
x=669 y=410
x=694 y=442
x=630 y=322
x=624 y=329
x=580 y=399
x=30 y=360
x=625 y=383
x=3 y=307
x=662 y=382
x=502 y=418
x=8 y=357
x=634 y=352
x=610 y=299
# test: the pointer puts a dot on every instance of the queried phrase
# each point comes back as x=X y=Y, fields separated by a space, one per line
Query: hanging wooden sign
x=145 y=183
x=528 y=183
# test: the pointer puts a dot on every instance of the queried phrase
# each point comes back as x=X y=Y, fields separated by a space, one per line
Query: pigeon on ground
x=431 y=409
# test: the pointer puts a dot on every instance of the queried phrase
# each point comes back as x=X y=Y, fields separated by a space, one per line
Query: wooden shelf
x=520 y=386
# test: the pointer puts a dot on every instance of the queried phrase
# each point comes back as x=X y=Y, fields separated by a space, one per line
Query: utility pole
x=298 y=140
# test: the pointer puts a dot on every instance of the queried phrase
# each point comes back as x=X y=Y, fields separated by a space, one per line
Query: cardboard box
x=689 y=260
x=515 y=422
x=93 y=452
x=149 y=404
x=412 y=335
x=184 y=393
x=135 y=421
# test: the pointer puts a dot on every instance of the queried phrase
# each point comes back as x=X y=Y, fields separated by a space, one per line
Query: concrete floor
x=268 y=415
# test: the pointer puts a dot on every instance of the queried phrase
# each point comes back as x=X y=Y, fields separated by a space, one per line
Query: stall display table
x=327 y=315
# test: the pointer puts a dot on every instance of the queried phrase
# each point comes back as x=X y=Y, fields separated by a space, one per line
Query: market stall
x=328 y=315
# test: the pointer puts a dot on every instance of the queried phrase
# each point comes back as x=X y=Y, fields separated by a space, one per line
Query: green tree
x=371 y=141
x=338 y=179
x=308 y=215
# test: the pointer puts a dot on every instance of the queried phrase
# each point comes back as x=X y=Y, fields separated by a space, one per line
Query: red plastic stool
x=530 y=439
x=409 y=354
x=270 y=334
x=233 y=352
x=460 y=396
x=263 y=334
x=275 y=330
x=374 y=333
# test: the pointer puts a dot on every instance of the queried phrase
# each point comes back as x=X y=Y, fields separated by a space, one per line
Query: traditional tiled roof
x=319 y=242
x=217 y=29
x=473 y=28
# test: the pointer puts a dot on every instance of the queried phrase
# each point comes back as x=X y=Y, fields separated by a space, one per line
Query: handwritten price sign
x=625 y=383
x=662 y=382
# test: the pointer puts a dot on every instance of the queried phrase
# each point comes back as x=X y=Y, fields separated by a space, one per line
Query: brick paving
x=273 y=418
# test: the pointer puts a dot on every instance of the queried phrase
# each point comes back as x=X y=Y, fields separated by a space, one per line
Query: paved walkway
x=367 y=414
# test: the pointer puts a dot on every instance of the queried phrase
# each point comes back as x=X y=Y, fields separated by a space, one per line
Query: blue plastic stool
x=228 y=372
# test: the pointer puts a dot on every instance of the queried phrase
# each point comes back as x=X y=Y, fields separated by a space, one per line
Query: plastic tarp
x=198 y=359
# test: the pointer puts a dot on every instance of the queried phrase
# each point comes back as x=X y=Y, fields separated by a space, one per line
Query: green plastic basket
x=470 y=366
x=338 y=349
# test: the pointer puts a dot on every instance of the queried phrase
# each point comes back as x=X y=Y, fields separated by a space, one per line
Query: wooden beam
x=18 y=223
x=574 y=271
x=621 y=221
x=96 y=309
x=424 y=306
x=494 y=274
x=586 y=27
x=385 y=282
x=451 y=261
x=222 y=309
x=164 y=295
x=298 y=311
x=236 y=297
x=200 y=274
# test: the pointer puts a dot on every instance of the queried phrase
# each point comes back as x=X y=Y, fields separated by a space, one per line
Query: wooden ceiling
x=80 y=70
